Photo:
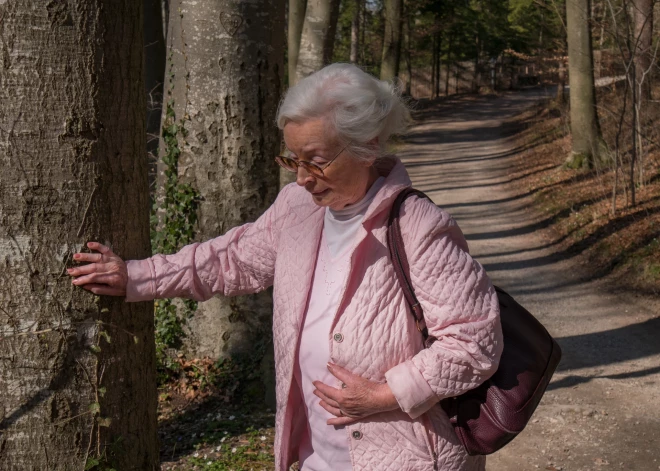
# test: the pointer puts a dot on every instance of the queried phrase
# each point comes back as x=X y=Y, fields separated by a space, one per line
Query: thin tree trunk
x=318 y=36
x=296 y=21
x=393 y=18
x=438 y=60
x=363 y=31
x=228 y=80
x=448 y=64
x=409 y=55
x=561 y=86
x=476 y=78
x=355 y=31
x=78 y=370
x=643 y=41
x=316 y=46
x=434 y=57
x=154 y=74
x=633 y=152
x=584 y=122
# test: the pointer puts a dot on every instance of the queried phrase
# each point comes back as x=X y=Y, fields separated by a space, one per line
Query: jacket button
x=357 y=435
x=338 y=337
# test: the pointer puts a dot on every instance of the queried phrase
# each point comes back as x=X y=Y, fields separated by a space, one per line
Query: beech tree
x=393 y=16
x=226 y=71
x=316 y=45
x=318 y=36
x=584 y=121
x=78 y=371
x=296 y=20
x=154 y=72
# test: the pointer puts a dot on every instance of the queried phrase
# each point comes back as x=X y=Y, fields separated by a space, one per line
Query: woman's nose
x=303 y=176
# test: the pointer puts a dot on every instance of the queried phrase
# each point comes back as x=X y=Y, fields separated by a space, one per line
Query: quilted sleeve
x=242 y=261
x=460 y=308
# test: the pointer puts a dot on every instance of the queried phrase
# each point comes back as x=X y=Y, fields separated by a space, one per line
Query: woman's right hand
x=105 y=275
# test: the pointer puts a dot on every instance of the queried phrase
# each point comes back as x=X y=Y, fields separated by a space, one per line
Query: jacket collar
x=396 y=180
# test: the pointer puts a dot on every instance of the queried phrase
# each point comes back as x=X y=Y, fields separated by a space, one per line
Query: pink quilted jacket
x=373 y=333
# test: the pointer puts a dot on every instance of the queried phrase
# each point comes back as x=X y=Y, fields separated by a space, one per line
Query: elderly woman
x=356 y=388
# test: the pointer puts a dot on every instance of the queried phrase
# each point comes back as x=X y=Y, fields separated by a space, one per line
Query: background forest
x=151 y=126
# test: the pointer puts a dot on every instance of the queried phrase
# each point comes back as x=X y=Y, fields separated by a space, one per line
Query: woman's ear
x=373 y=144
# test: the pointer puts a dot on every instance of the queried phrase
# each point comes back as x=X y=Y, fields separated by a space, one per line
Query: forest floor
x=494 y=162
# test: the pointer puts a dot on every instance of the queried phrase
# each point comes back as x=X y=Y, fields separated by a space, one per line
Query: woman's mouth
x=320 y=193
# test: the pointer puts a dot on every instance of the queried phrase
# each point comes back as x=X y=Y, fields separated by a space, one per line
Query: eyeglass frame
x=307 y=164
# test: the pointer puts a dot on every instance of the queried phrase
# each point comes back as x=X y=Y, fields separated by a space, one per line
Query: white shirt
x=326 y=447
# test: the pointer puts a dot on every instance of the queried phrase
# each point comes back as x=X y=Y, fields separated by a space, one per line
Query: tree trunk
x=476 y=78
x=393 y=16
x=434 y=57
x=438 y=61
x=584 y=122
x=296 y=21
x=227 y=83
x=643 y=17
x=318 y=36
x=316 y=46
x=561 y=86
x=448 y=64
x=78 y=371
x=409 y=34
x=355 y=31
x=154 y=74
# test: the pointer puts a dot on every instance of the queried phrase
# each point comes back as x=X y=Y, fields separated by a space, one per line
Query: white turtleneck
x=326 y=446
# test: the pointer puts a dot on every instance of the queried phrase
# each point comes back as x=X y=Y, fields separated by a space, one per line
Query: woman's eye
x=318 y=160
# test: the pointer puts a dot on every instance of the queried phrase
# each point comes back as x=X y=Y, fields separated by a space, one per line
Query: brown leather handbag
x=490 y=416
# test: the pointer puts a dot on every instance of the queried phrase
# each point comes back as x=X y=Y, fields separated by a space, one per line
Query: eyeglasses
x=291 y=164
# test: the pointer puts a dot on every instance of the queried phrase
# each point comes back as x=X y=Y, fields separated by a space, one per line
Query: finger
x=82 y=270
x=98 y=247
x=325 y=398
x=98 y=278
x=87 y=257
x=332 y=393
x=104 y=290
x=333 y=410
x=341 y=421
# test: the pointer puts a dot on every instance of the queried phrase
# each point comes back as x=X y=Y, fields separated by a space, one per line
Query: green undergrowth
x=173 y=222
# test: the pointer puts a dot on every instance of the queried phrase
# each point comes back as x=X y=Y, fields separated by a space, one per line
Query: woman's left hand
x=357 y=399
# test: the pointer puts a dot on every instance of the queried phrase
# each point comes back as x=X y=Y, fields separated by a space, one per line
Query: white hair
x=364 y=111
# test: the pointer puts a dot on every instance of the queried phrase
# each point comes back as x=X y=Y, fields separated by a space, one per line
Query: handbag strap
x=400 y=260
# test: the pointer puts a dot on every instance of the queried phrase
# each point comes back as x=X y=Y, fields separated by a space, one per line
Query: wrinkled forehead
x=308 y=136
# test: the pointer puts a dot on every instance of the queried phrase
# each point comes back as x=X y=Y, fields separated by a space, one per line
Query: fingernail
x=76 y=256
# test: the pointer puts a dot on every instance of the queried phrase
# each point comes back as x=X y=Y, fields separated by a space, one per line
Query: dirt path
x=602 y=409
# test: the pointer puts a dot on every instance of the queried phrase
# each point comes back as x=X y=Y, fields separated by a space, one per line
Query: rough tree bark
x=584 y=121
x=296 y=20
x=78 y=371
x=643 y=17
x=318 y=36
x=228 y=70
x=154 y=73
x=393 y=18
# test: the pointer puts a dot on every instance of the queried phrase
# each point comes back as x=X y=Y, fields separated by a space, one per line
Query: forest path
x=602 y=409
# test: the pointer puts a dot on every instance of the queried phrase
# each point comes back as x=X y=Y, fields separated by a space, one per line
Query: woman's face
x=345 y=181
